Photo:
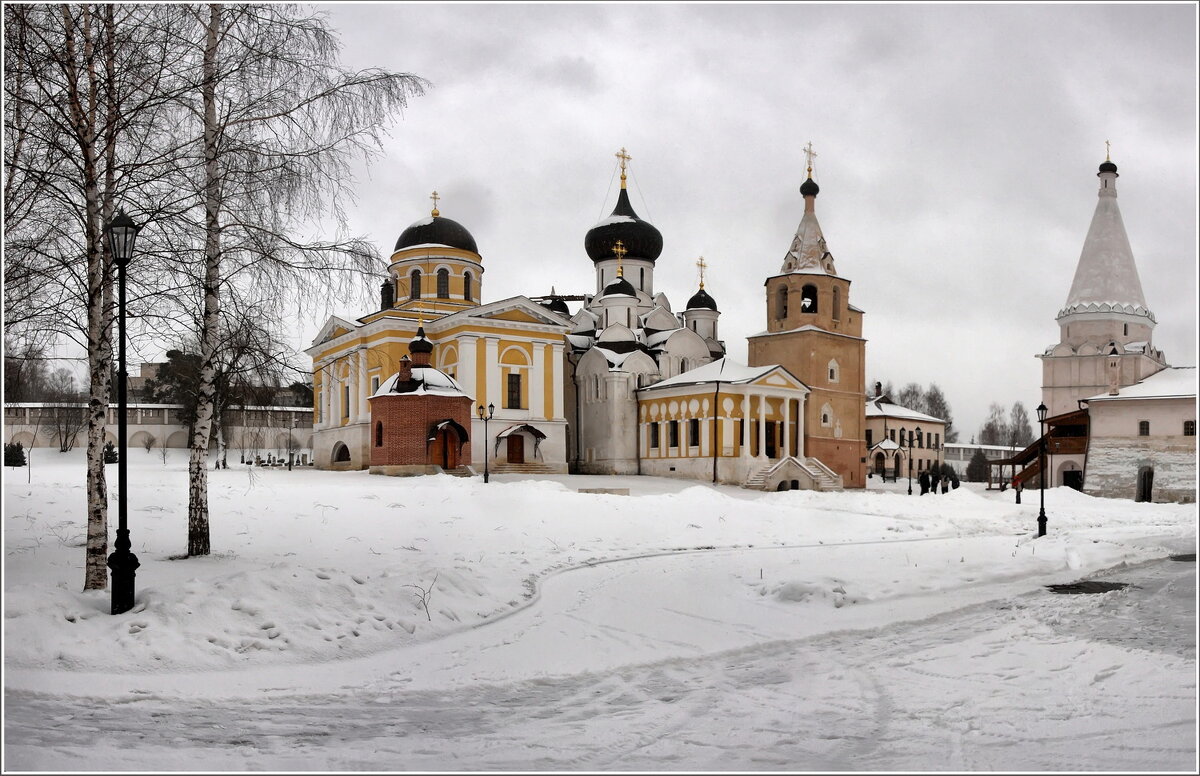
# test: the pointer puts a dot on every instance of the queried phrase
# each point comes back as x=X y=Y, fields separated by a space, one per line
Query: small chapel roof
x=876 y=408
x=425 y=381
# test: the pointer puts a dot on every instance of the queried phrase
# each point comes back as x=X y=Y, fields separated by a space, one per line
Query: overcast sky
x=957 y=149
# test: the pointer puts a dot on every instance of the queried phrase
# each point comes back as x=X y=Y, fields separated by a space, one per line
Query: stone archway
x=1145 y=484
x=340 y=454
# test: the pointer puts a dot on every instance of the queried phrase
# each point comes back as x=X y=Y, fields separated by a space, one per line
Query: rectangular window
x=1189 y=428
x=892 y=434
x=374 y=384
x=693 y=432
x=1143 y=428
x=673 y=433
x=653 y=436
x=514 y=391
x=868 y=437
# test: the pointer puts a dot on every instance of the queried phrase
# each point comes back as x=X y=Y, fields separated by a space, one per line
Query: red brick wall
x=407 y=421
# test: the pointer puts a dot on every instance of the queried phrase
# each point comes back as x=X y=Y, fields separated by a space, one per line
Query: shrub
x=14 y=454
x=110 y=453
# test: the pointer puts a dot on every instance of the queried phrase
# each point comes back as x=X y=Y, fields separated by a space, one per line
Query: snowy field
x=354 y=622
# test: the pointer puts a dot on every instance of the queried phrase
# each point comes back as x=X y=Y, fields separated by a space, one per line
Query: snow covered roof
x=722 y=369
x=883 y=409
x=429 y=381
x=1106 y=277
x=886 y=444
x=1174 y=382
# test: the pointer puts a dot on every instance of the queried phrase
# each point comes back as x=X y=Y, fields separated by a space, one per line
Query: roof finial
x=700 y=263
x=435 y=197
x=624 y=157
x=808 y=152
x=619 y=249
x=1107 y=151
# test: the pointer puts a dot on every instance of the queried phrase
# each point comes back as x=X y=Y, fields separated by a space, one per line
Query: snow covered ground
x=353 y=622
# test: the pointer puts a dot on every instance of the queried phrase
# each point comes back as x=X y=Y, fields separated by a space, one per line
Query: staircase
x=823 y=478
x=461 y=471
x=521 y=468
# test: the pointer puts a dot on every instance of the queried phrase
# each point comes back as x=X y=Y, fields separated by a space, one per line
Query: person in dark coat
x=933 y=483
x=923 y=480
x=945 y=484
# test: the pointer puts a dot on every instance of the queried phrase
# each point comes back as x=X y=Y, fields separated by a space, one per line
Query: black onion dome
x=809 y=188
x=701 y=300
x=641 y=239
x=1107 y=166
x=437 y=230
x=558 y=306
x=620 y=286
x=420 y=344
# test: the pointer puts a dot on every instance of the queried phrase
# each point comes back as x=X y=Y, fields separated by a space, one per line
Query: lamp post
x=291 y=433
x=122 y=232
x=910 y=444
x=1041 y=413
x=491 y=410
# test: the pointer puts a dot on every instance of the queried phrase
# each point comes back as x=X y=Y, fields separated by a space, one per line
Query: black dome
x=1107 y=166
x=420 y=344
x=640 y=238
x=558 y=306
x=438 y=230
x=701 y=299
x=620 y=286
x=809 y=188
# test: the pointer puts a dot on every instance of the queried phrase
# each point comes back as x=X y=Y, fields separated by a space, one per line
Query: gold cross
x=619 y=250
x=810 y=154
x=700 y=263
x=624 y=157
x=435 y=197
x=1107 y=151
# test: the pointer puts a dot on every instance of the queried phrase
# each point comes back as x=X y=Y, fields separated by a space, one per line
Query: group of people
x=929 y=482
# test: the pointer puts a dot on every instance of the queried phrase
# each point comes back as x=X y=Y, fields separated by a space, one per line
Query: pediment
x=779 y=378
x=517 y=309
x=334 y=327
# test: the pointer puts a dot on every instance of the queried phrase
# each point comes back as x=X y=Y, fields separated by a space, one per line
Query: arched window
x=837 y=303
x=781 y=303
x=341 y=453
x=414 y=286
x=443 y=283
x=379 y=433
x=467 y=286
x=808 y=299
x=1143 y=428
x=834 y=371
x=827 y=416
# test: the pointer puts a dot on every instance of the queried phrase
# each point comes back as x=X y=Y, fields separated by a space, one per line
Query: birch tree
x=280 y=124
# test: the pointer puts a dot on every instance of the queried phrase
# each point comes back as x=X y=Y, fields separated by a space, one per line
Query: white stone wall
x=1113 y=464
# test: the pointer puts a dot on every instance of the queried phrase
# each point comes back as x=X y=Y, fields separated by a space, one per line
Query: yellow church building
x=506 y=354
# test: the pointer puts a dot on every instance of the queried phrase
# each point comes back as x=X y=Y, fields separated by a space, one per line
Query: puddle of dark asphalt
x=1087 y=587
x=1187 y=558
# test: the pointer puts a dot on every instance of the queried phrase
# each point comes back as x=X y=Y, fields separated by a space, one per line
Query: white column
x=537 y=382
x=364 y=409
x=787 y=427
x=746 y=426
x=556 y=374
x=467 y=376
x=762 y=427
x=491 y=366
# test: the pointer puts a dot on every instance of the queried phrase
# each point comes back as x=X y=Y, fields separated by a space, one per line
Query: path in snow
x=1040 y=682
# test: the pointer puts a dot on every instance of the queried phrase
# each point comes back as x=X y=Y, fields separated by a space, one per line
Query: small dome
x=809 y=188
x=641 y=239
x=420 y=344
x=558 y=306
x=620 y=286
x=701 y=300
x=1107 y=166
x=437 y=230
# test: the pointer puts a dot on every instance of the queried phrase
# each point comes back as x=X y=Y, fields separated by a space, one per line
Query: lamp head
x=122 y=232
x=1041 y=413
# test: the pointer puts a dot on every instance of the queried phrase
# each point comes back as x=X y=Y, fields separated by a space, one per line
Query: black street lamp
x=1041 y=413
x=491 y=410
x=122 y=232
x=291 y=433
x=910 y=444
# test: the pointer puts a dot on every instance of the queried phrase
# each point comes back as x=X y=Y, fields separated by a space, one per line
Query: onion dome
x=641 y=238
x=1107 y=166
x=701 y=300
x=620 y=286
x=437 y=230
x=420 y=344
x=809 y=188
x=558 y=306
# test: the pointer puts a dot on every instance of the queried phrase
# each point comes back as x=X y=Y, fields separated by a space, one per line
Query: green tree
x=977 y=467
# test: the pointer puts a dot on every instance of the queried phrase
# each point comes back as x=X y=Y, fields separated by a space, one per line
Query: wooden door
x=516 y=448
